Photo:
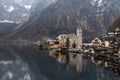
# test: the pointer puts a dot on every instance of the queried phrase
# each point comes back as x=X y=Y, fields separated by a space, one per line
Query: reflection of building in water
x=58 y=56
x=69 y=58
x=76 y=59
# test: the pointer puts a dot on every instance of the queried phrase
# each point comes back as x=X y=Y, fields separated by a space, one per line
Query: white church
x=74 y=38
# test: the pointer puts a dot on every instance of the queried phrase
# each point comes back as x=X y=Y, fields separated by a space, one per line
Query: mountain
x=61 y=17
x=6 y=28
x=15 y=10
x=115 y=24
x=39 y=5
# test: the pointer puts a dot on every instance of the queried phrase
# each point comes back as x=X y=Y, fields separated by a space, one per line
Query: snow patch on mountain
x=10 y=9
x=24 y=15
x=97 y=2
x=18 y=1
x=6 y=21
x=28 y=6
x=100 y=2
x=93 y=2
x=6 y=62
x=15 y=10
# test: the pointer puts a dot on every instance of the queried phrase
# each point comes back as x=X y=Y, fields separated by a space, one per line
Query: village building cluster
x=73 y=40
x=103 y=50
x=76 y=40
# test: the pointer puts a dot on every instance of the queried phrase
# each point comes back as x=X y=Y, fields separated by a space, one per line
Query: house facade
x=96 y=42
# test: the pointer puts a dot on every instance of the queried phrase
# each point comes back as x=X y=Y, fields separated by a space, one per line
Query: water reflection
x=14 y=70
x=12 y=67
x=86 y=69
x=30 y=63
x=37 y=65
x=71 y=59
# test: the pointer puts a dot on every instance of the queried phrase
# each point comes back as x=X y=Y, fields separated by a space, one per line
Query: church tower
x=79 y=34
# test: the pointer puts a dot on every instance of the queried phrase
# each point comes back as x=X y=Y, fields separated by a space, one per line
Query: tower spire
x=79 y=31
x=78 y=20
x=78 y=24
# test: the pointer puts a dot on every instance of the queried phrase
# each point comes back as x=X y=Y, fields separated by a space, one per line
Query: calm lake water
x=29 y=63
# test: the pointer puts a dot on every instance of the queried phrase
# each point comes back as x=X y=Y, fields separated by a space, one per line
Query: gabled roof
x=71 y=36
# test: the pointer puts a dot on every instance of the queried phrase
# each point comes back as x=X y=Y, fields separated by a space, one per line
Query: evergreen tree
x=67 y=42
x=74 y=45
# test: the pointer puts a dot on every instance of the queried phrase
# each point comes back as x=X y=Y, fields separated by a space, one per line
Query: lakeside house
x=56 y=43
x=96 y=42
x=102 y=42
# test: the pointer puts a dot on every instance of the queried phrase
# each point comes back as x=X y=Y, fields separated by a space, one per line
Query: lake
x=29 y=63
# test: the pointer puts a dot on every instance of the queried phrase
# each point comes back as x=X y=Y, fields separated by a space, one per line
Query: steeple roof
x=79 y=24
x=78 y=20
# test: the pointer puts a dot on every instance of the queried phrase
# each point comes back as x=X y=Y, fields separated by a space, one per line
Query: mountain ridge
x=61 y=17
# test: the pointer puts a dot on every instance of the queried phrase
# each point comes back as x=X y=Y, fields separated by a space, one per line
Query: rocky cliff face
x=61 y=17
